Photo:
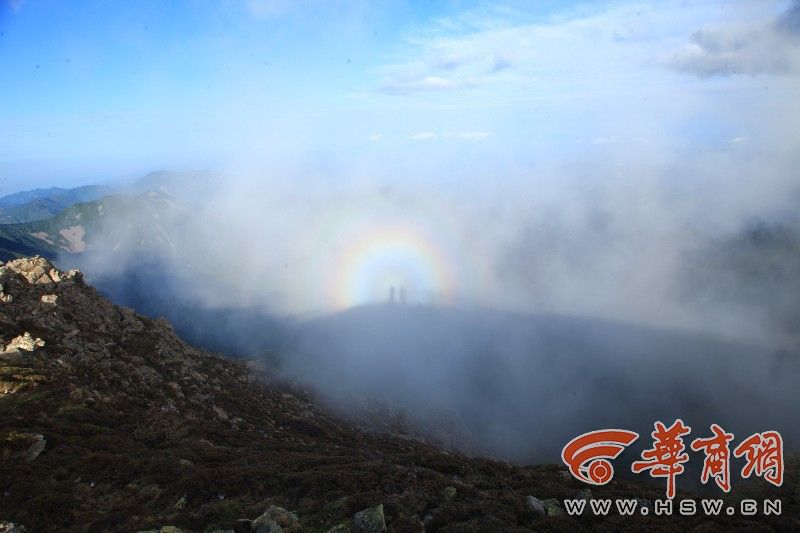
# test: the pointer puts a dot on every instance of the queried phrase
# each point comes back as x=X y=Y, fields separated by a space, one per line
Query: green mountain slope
x=140 y=221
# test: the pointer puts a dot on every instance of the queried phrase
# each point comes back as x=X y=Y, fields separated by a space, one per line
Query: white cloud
x=768 y=46
x=604 y=140
x=594 y=50
x=469 y=135
x=514 y=52
x=501 y=63
x=450 y=62
x=423 y=136
x=268 y=9
x=375 y=137
x=425 y=83
x=465 y=135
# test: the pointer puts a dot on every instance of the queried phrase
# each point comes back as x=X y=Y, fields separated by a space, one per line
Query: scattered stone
x=36 y=448
x=565 y=474
x=276 y=514
x=34 y=269
x=24 y=342
x=583 y=494
x=449 y=493
x=10 y=527
x=180 y=504
x=552 y=507
x=49 y=299
x=340 y=528
x=7 y=298
x=75 y=275
x=170 y=529
x=535 y=505
x=185 y=462
x=370 y=520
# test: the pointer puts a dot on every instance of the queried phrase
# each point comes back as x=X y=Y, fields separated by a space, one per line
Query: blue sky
x=104 y=90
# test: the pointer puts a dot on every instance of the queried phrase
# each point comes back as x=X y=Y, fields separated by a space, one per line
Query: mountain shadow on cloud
x=522 y=386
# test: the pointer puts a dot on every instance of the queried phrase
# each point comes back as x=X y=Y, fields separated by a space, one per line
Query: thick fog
x=502 y=295
x=592 y=300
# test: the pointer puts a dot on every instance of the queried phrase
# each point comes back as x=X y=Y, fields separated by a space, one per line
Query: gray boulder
x=535 y=504
x=36 y=448
x=370 y=520
x=277 y=515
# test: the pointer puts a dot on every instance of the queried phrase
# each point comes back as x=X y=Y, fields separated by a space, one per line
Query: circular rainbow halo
x=394 y=262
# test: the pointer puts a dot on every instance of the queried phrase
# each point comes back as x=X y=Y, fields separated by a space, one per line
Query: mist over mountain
x=511 y=384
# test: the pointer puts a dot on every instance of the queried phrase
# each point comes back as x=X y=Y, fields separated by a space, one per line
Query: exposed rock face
x=35 y=270
x=109 y=422
x=24 y=343
x=72 y=238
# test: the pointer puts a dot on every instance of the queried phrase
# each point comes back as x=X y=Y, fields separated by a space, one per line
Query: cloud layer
x=770 y=46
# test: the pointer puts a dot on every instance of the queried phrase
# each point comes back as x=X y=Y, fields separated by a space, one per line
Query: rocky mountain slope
x=109 y=421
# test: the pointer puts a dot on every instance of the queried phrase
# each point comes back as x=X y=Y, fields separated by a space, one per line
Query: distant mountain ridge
x=43 y=203
x=77 y=194
x=40 y=204
x=56 y=220
x=105 y=222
